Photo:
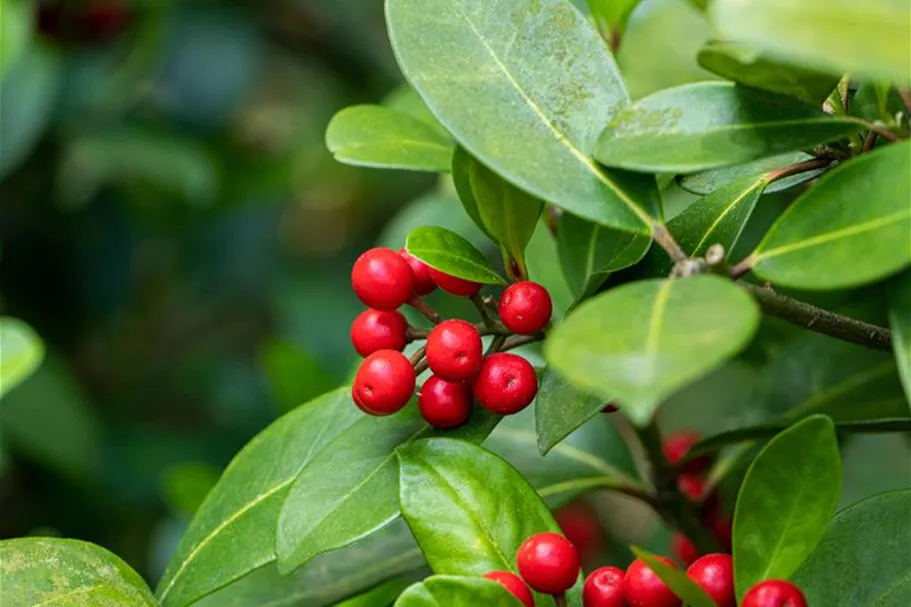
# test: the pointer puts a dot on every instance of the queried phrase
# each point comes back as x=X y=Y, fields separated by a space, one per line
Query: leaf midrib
x=640 y=133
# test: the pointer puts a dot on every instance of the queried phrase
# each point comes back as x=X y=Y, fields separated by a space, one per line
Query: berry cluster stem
x=560 y=599
x=487 y=318
x=424 y=308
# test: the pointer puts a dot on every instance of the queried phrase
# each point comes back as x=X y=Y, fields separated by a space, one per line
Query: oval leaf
x=561 y=408
x=641 y=342
x=680 y=584
x=544 y=269
x=863 y=560
x=712 y=124
x=380 y=137
x=827 y=240
x=900 y=321
x=707 y=182
x=454 y=591
x=468 y=509
x=839 y=36
x=21 y=351
x=67 y=573
x=494 y=81
x=449 y=252
x=787 y=498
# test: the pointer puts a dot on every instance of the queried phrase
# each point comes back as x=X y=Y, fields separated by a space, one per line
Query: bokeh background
x=173 y=227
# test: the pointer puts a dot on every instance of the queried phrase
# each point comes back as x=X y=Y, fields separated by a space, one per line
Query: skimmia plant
x=415 y=485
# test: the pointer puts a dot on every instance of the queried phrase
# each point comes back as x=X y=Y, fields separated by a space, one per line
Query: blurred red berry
x=643 y=587
x=581 y=527
x=683 y=549
x=677 y=444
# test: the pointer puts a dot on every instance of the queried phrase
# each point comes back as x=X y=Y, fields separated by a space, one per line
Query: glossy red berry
x=643 y=588
x=505 y=384
x=684 y=550
x=456 y=286
x=454 y=350
x=444 y=404
x=382 y=279
x=580 y=525
x=384 y=383
x=548 y=562
x=774 y=593
x=525 y=307
x=604 y=588
x=514 y=585
x=423 y=281
x=715 y=574
x=676 y=446
x=375 y=330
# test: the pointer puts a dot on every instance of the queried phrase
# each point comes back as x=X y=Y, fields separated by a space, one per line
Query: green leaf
x=67 y=573
x=679 y=583
x=611 y=14
x=21 y=352
x=449 y=252
x=900 y=321
x=349 y=487
x=863 y=560
x=707 y=182
x=712 y=124
x=468 y=509
x=560 y=408
x=826 y=240
x=839 y=36
x=641 y=342
x=493 y=81
x=747 y=66
x=589 y=252
x=787 y=498
x=455 y=591
x=507 y=214
x=186 y=485
x=405 y=100
x=294 y=375
x=544 y=268
x=15 y=31
x=441 y=208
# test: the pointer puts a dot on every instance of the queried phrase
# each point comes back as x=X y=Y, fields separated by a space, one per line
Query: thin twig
x=496 y=345
x=560 y=599
x=905 y=95
x=800 y=167
x=741 y=268
x=869 y=142
x=488 y=319
x=520 y=340
x=881 y=131
x=665 y=239
x=424 y=308
x=418 y=356
x=415 y=334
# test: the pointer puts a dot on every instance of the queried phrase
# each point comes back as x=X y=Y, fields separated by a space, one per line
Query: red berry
x=456 y=286
x=444 y=404
x=454 y=350
x=643 y=588
x=715 y=574
x=384 y=383
x=514 y=585
x=774 y=593
x=376 y=330
x=581 y=527
x=382 y=279
x=610 y=408
x=692 y=487
x=506 y=383
x=676 y=446
x=525 y=307
x=604 y=588
x=548 y=563
x=423 y=281
x=683 y=549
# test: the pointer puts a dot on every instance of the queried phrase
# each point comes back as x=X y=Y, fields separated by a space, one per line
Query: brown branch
x=424 y=308
x=800 y=167
x=665 y=239
x=868 y=142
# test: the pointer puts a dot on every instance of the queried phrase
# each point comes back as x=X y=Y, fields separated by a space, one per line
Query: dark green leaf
x=21 y=352
x=67 y=573
x=294 y=375
x=380 y=137
x=493 y=82
x=860 y=38
x=449 y=252
x=877 y=101
x=641 y=342
x=590 y=252
x=900 y=321
x=712 y=124
x=560 y=408
x=15 y=31
x=745 y=65
x=828 y=240
x=788 y=496
x=454 y=591
x=468 y=509
x=186 y=485
x=679 y=583
x=544 y=269
x=707 y=182
x=863 y=559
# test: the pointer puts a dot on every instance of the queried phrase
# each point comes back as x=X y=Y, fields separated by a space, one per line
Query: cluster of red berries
x=501 y=382
x=547 y=562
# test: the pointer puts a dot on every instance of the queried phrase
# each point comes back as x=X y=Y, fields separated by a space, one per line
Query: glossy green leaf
x=488 y=73
x=826 y=240
x=787 y=498
x=839 y=36
x=611 y=14
x=405 y=100
x=349 y=488
x=561 y=408
x=449 y=252
x=39 y=571
x=186 y=485
x=15 y=31
x=380 y=137
x=21 y=351
x=900 y=321
x=747 y=66
x=641 y=342
x=863 y=559
x=706 y=182
x=503 y=211
x=455 y=591
x=468 y=509
x=589 y=252
x=712 y=124
x=294 y=376
x=544 y=268
x=380 y=596
x=679 y=583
